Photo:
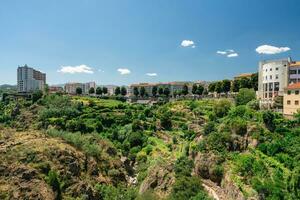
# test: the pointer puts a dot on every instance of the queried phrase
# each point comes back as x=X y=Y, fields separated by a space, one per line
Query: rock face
x=205 y=166
x=27 y=157
x=160 y=179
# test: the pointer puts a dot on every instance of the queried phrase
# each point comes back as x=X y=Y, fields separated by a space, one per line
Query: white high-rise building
x=30 y=80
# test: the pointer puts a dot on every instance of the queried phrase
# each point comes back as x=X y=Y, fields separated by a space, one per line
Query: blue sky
x=119 y=42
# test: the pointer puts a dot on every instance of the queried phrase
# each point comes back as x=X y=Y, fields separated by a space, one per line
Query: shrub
x=53 y=180
x=185 y=188
x=222 y=107
x=244 y=96
x=209 y=128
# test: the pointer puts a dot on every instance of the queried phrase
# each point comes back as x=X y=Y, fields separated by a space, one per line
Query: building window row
x=271 y=69
x=289 y=102
x=271 y=77
x=290 y=92
x=295 y=71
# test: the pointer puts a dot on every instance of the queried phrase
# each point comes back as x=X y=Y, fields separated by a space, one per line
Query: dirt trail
x=214 y=190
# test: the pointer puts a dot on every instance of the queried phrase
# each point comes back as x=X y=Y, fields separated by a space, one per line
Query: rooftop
x=244 y=75
x=295 y=64
x=293 y=86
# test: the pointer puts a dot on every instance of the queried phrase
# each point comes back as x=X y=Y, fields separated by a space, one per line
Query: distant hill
x=8 y=87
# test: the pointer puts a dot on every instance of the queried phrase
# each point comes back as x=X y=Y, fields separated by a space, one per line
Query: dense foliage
x=186 y=141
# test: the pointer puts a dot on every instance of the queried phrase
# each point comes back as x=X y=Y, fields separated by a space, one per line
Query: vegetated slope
x=36 y=166
x=92 y=148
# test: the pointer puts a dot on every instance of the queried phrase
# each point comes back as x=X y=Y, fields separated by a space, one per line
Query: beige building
x=173 y=86
x=291 y=99
x=244 y=75
x=70 y=88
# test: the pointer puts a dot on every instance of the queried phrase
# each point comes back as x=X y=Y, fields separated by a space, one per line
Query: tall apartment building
x=30 y=80
x=70 y=88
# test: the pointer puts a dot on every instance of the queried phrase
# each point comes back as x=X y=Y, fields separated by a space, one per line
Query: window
x=270 y=69
x=297 y=92
x=276 y=68
x=276 y=76
x=293 y=71
x=270 y=86
x=289 y=92
x=293 y=80
x=266 y=78
x=270 y=95
x=298 y=71
x=288 y=102
x=276 y=86
x=270 y=77
x=266 y=70
x=266 y=95
x=296 y=102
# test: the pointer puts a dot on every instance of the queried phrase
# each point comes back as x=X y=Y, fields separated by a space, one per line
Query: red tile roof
x=294 y=86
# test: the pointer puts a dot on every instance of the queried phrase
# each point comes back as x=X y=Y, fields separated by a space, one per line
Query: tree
x=254 y=81
x=160 y=91
x=92 y=90
x=123 y=91
x=167 y=92
x=104 y=90
x=245 y=83
x=226 y=85
x=278 y=102
x=244 y=96
x=235 y=85
x=142 y=91
x=218 y=87
x=99 y=91
x=154 y=91
x=37 y=95
x=185 y=89
x=211 y=87
x=136 y=91
x=117 y=91
x=194 y=89
x=46 y=89
x=78 y=91
x=165 y=120
x=200 y=90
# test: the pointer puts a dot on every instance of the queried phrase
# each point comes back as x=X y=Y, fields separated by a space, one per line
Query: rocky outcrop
x=160 y=179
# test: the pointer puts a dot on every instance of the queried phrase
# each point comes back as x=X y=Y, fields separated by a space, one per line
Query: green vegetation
x=132 y=151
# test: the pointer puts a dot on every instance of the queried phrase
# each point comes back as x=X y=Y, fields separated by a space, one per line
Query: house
x=291 y=99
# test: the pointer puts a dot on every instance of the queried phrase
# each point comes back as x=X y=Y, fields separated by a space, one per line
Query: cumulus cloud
x=124 y=71
x=76 y=69
x=229 y=53
x=188 y=43
x=222 y=52
x=232 y=55
x=151 y=74
x=268 y=49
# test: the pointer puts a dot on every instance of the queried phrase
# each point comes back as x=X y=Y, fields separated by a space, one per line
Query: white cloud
x=222 y=52
x=151 y=74
x=124 y=71
x=232 y=55
x=188 y=43
x=229 y=53
x=268 y=49
x=76 y=69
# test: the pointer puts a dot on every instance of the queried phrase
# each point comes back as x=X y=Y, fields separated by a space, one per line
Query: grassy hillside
x=88 y=148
